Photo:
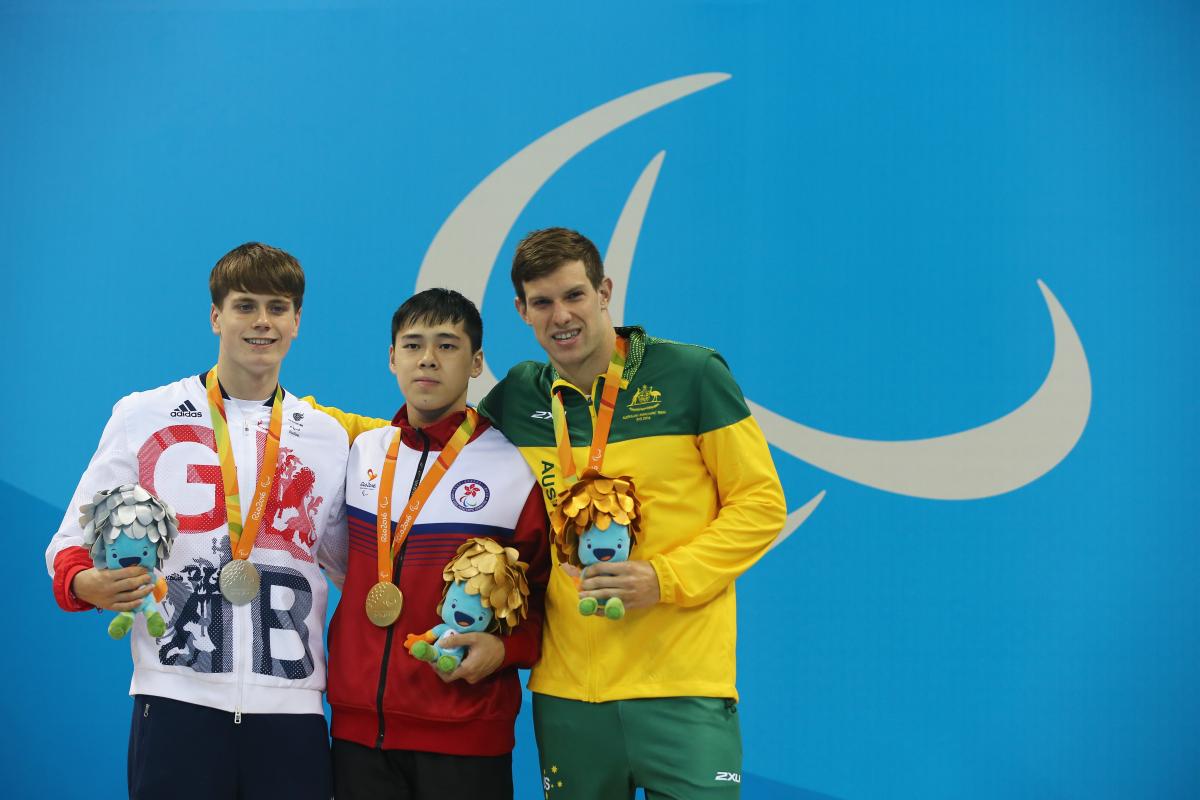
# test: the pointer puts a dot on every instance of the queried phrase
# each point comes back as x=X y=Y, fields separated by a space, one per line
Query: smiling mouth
x=259 y=342
x=129 y=562
x=604 y=553
x=463 y=620
x=565 y=336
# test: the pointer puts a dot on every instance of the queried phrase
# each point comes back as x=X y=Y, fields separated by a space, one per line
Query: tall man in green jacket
x=647 y=700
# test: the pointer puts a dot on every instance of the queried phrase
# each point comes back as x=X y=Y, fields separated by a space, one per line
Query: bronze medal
x=239 y=582
x=384 y=603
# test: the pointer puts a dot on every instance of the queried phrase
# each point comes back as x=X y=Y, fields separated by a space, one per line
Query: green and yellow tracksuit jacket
x=711 y=504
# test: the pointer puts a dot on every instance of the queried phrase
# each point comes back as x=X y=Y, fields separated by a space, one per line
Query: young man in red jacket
x=441 y=475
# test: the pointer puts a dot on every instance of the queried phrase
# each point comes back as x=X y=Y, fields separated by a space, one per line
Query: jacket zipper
x=391 y=631
x=247 y=645
x=593 y=688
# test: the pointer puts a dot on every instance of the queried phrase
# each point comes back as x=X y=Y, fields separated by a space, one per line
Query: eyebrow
x=440 y=335
x=249 y=298
x=576 y=288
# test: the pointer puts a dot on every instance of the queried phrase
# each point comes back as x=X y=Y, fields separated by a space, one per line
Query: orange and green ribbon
x=241 y=538
x=603 y=424
x=388 y=545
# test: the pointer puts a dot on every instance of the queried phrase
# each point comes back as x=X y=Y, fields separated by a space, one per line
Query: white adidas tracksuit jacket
x=263 y=657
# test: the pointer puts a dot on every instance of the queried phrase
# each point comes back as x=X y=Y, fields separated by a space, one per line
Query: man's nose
x=429 y=357
x=562 y=315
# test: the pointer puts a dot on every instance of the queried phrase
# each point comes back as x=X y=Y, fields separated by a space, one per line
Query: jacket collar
x=437 y=434
x=225 y=395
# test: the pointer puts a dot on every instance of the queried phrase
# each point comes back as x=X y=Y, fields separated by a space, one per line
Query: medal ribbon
x=241 y=539
x=608 y=405
x=388 y=546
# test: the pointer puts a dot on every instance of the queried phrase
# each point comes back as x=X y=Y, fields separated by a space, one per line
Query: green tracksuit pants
x=674 y=748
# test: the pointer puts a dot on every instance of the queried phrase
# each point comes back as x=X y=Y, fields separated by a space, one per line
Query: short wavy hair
x=542 y=252
x=259 y=269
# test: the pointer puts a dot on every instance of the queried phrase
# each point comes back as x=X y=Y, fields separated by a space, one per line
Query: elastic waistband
x=472 y=737
x=223 y=695
x=567 y=690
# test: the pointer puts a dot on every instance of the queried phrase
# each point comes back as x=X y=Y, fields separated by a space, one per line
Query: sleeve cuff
x=667 y=585
x=520 y=651
x=69 y=562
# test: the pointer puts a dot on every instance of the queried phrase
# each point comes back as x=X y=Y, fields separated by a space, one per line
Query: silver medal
x=239 y=582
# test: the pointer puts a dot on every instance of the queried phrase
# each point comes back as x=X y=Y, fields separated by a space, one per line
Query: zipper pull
x=145 y=711
x=237 y=717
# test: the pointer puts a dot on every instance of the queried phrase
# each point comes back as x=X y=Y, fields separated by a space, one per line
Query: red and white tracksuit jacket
x=263 y=657
x=382 y=696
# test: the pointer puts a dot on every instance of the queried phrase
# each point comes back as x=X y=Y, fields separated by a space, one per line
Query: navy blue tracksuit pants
x=180 y=750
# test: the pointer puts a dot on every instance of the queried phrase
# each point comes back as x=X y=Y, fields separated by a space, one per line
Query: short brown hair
x=258 y=268
x=542 y=252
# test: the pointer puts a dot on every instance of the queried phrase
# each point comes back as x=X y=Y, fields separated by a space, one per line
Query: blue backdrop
x=855 y=206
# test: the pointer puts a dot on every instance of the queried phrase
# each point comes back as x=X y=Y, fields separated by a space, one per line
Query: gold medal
x=384 y=602
x=239 y=582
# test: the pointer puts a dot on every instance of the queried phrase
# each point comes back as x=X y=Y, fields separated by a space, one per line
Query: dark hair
x=542 y=252
x=257 y=268
x=433 y=306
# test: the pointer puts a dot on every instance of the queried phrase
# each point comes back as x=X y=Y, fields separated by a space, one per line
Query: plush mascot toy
x=485 y=591
x=598 y=520
x=124 y=527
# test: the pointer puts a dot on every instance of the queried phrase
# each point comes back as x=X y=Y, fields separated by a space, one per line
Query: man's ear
x=392 y=358
x=296 y=332
x=214 y=315
x=521 y=307
x=605 y=290
x=477 y=363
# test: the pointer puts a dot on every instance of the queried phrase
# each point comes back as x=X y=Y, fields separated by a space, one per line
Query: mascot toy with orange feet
x=485 y=591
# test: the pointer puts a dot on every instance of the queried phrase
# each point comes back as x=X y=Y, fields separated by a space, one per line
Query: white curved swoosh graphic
x=465 y=248
x=991 y=459
x=618 y=260
x=981 y=462
x=796 y=519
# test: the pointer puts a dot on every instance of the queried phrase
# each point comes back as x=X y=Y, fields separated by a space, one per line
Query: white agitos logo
x=991 y=459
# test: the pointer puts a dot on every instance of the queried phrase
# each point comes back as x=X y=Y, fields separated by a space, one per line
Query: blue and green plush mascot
x=485 y=591
x=597 y=521
x=125 y=527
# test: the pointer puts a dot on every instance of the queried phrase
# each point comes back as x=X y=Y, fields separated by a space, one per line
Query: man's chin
x=258 y=363
x=421 y=413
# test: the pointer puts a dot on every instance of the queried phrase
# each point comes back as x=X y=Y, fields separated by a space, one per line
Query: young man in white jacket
x=227 y=702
